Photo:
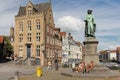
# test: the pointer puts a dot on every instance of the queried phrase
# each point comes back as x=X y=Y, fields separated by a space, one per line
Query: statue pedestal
x=90 y=54
x=90 y=51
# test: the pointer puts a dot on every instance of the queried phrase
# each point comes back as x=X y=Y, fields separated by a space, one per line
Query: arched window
x=29 y=37
x=37 y=36
x=29 y=25
x=38 y=24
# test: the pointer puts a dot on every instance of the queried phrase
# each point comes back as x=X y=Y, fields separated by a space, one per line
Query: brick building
x=35 y=34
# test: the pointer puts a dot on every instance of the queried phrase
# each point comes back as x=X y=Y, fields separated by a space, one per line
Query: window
x=20 y=37
x=47 y=28
x=52 y=53
x=51 y=31
x=29 y=12
x=37 y=36
x=50 y=19
x=38 y=50
x=48 y=52
x=29 y=37
x=69 y=53
x=21 y=48
x=29 y=25
x=53 y=41
x=50 y=40
x=47 y=39
x=38 y=24
x=21 y=26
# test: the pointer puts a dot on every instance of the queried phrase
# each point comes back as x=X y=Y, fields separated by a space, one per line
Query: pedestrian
x=49 y=65
x=90 y=66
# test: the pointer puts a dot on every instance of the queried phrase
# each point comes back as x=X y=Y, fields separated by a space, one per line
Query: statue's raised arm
x=90 y=26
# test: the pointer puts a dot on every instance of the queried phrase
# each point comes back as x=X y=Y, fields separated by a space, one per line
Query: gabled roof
x=42 y=7
x=1 y=39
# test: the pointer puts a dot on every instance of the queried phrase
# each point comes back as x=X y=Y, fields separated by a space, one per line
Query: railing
x=25 y=61
x=32 y=61
x=19 y=61
x=29 y=61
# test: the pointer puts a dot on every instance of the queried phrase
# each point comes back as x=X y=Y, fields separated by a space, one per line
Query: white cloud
x=69 y=18
x=108 y=46
x=70 y=23
x=7 y=12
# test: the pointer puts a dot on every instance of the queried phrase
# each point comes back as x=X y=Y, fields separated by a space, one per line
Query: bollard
x=38 y=72
x=16 y=75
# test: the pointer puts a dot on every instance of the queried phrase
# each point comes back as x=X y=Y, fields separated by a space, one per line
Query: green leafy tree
x=8 y=46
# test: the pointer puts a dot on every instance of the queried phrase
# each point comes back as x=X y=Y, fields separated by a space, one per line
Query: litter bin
x=38 y=72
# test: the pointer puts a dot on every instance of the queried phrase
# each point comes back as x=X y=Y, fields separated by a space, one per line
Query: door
x=28 y=50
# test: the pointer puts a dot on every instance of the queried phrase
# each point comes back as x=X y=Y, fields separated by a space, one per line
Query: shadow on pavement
x=4 y=60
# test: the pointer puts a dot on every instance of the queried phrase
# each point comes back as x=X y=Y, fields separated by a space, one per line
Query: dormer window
x=29 y=12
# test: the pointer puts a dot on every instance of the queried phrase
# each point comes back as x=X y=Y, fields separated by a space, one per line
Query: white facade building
x=71 y=50
x=113 y=55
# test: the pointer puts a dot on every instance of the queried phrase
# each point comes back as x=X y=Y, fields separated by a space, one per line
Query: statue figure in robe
x=90 y=26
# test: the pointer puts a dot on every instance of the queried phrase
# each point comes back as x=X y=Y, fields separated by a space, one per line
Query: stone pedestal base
x=90 y=51
x=90 y=54
x=100 y=68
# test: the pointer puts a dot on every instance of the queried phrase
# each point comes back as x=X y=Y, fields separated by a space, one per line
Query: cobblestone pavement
x=56 y=75
x=7 y=70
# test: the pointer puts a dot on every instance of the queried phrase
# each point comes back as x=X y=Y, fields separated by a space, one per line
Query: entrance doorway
x=28 y=50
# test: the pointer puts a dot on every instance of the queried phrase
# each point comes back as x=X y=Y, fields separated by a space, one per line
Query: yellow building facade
x=34 y=38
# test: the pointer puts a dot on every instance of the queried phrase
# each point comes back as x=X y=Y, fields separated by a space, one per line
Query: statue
x=90 y=26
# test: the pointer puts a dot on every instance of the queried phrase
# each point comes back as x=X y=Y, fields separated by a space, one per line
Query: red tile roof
x=62 y=34
x=118 y=48
x=78 y=43
x=1 y=39
x=113 y=51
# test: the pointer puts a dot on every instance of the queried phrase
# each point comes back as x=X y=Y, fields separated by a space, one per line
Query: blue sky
x=69 y=16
